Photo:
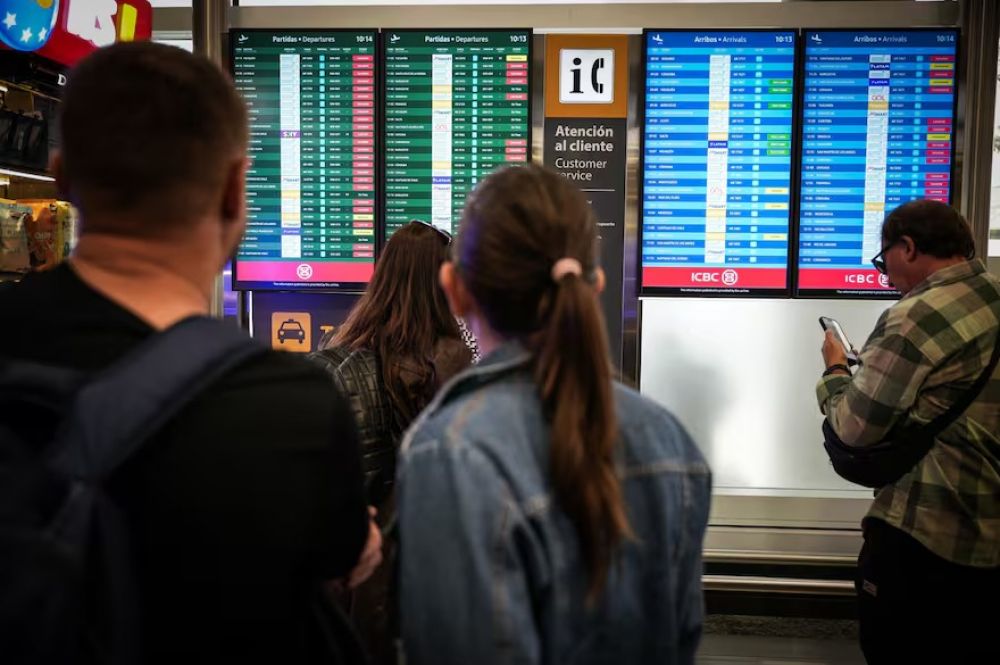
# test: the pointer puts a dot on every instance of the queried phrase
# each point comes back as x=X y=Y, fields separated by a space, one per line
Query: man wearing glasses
x=932 y=538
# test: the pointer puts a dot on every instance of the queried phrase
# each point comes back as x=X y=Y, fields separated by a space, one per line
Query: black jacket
x=237 y=508
x=357 y=374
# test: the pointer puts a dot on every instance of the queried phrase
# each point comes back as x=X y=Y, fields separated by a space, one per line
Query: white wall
x=740 y=374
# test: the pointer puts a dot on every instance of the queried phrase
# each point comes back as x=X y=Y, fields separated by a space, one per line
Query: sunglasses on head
x=444 y=234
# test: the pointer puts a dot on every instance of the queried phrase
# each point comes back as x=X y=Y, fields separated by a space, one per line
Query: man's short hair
x=937 y=229
x=148 y=132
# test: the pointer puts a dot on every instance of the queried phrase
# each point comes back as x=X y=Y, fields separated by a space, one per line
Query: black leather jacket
x=358 y=376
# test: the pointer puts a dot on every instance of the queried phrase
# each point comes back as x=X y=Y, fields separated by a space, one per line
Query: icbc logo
x=860 y=278
x=304 y=271
x=883 y=281
x=727 y=277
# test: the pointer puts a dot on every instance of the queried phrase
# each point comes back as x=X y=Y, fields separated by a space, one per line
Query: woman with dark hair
x=547 y=514
x=399 y=344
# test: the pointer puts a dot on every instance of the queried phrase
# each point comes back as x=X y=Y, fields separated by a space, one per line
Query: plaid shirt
x=924 y=352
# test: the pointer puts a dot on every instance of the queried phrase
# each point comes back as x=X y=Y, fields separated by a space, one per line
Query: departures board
x=311 y=186
x=457 y=107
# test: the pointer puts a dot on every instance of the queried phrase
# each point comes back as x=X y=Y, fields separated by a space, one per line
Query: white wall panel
x=740 y=374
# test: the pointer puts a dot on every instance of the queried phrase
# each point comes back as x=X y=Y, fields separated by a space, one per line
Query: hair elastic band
x=566 y=266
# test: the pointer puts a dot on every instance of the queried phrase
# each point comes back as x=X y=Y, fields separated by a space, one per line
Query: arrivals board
x=311 y=186
x=717 y=162
x=457 y=107
x=878 y=131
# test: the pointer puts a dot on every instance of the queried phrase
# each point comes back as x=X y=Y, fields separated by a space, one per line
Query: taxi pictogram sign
x=291 y=331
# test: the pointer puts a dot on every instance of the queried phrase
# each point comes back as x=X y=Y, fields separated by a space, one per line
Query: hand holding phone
x=831 y=324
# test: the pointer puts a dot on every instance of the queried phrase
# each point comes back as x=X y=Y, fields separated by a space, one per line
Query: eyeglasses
x=444 y=234
x=879 y=261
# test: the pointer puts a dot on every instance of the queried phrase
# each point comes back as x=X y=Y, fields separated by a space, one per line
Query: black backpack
x=67 y=588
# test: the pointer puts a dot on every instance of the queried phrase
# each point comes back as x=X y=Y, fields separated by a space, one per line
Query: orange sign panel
x=586 y=76
x=291 y=331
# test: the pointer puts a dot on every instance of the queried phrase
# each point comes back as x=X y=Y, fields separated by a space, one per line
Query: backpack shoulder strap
x=113 y=415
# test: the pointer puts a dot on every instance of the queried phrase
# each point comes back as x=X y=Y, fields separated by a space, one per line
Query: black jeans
x=916 y=607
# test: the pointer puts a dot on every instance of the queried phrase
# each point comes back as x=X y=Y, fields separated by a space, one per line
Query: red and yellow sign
x=67 y=30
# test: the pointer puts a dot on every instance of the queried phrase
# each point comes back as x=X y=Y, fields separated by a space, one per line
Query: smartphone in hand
x=831 y=324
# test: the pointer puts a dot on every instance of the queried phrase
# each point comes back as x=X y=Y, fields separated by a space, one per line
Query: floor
x=753 y=650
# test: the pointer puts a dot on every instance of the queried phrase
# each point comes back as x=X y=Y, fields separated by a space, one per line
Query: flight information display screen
x=311 y=186
x=717 y=162
x=878 y=130
x=457 y=107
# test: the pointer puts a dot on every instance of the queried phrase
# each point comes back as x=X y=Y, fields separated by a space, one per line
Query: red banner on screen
x=304 y=272
x=840 y=279
x=714 y=278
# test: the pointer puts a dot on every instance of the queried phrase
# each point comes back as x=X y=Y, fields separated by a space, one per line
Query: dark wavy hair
x=403 y=314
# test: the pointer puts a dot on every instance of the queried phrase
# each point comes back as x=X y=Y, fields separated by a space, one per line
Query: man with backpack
x=169 y=491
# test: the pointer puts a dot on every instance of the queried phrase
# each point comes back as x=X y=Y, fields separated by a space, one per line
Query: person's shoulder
x=342 y=359
x=276 y=382
x=986 y=286
x=924 y=317
x=273 y=369
x=632 y=406
x=30 y=293
x=653 y=436
x=477 y=410
x=45 y=309
x=904 y=316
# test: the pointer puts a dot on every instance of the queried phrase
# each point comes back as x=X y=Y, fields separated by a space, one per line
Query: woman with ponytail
x=547 y=513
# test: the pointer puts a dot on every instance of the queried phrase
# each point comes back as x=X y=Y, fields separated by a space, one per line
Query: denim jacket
x=490 y=568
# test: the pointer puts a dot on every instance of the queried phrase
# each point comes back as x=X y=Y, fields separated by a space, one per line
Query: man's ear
x=234 y=190
x=910 y=251
x=232 y=207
